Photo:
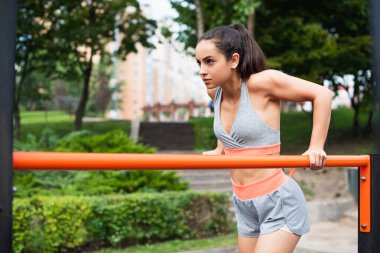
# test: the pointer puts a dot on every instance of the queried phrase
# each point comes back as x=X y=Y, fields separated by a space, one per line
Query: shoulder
x=264 y=81
x=265 y=77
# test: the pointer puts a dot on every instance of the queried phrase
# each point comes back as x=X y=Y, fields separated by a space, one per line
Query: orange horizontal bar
x=102 y=161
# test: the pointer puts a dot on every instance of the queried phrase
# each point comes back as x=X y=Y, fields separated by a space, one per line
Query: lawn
x=30 y=117
x=61 y=124
x=179 y=245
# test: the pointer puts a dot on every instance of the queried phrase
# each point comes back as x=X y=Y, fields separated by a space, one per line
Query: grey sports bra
x=247 y=130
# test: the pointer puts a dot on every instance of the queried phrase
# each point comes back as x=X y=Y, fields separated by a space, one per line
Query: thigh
x=277 y=242
x=246 y=244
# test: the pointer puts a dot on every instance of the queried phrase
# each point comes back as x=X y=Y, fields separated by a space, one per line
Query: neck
x=232 y=88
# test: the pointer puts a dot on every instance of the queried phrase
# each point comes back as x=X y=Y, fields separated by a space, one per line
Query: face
x=214 y=67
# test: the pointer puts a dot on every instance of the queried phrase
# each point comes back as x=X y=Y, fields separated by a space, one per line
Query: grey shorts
x=283 y=207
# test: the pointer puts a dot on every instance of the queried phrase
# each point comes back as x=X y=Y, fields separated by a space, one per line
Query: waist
x=260 y=187
x=260 y=150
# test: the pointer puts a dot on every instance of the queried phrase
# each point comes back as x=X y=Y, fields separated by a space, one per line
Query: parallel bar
x=101 y=161
x=365 y=198
x=8 y=10
x=369 y=241
x=375 y=201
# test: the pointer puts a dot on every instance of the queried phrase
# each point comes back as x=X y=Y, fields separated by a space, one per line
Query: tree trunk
x=251 y=24
x=355 y=103
x=355 y=125
x=85 y=94
x=17 y=119
x=200 y=22
x=368 y=127
x=17 y=98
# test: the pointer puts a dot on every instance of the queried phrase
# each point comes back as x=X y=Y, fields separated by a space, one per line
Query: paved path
x=325 y=237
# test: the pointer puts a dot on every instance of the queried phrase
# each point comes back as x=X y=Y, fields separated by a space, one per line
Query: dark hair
x=236 y=39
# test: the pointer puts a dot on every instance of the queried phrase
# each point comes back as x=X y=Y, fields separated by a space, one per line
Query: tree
x=196 y=16
x=315 y=40
x=34 y=52
x=86 y=28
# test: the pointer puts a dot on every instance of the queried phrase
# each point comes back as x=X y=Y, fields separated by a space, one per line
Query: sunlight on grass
x=179 y=245
x=45 y=117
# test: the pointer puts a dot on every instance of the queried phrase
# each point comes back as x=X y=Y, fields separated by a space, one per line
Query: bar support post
x=8 y=13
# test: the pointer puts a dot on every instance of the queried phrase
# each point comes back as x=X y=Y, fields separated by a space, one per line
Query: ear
x=234 y=62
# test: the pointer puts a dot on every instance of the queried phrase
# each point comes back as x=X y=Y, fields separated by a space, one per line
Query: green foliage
x=112 y=142
x=30 y=183
x=64 y=127
x=59 y=40
x=298 y=48
x=47 y=140
x=204 y=137
x=316 y=40
x=61 y=224
x=215 y=14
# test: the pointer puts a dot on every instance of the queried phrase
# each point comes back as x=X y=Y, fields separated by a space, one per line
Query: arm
x=286 y=87
x=219 y=150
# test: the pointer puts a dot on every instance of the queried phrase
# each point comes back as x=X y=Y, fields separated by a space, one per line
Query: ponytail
x=236 y=39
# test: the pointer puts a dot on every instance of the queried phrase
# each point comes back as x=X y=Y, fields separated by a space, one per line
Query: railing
x=369 y=201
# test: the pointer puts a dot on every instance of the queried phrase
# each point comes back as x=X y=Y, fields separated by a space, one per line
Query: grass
x=179 y=245
x=45 y=117
x=62 y=123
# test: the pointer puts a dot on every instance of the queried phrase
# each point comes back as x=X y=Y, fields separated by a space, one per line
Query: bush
x=67 y=224
x=46 y=141
x=204 y=137
x=115 y=141
x=65 y=127
x=30 y=183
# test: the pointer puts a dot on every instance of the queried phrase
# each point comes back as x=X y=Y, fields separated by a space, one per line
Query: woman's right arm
x=219 y=150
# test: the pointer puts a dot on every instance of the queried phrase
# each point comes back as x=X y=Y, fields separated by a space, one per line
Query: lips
x=206 y=80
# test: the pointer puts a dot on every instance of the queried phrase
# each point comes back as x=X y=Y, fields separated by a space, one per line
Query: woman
x=270 y=207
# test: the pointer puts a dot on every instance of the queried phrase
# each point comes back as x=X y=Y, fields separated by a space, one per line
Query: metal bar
x=8 y=12
x=365 y=199
x=375 y=201
x=101 y=161
x=369 y=241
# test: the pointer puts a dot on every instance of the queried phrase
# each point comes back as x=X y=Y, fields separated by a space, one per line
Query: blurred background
x=121 y=76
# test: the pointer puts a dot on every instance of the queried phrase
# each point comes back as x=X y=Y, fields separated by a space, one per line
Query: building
x=162 y=77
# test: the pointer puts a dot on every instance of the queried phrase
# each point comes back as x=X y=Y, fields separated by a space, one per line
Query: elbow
x=329 y=95
x=325 y=96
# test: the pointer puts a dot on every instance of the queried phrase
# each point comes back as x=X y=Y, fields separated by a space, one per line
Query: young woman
x=270 y=207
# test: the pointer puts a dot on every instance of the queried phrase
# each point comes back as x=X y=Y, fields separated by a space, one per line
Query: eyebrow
x=205 y=58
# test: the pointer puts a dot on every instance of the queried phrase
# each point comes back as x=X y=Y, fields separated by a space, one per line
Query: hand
x=317 y=158
x=213 y=152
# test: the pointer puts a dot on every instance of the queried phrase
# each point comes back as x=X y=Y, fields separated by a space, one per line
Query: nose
x=202 y=70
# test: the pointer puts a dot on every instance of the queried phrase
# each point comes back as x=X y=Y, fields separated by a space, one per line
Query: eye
x=209 y=61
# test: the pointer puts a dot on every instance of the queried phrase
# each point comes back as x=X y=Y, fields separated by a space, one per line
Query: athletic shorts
x=283 y=208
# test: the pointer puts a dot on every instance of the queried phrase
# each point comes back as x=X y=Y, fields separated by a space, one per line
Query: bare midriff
x=249 y=176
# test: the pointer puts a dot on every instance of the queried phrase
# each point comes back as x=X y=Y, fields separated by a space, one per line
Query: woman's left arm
x=286 y=87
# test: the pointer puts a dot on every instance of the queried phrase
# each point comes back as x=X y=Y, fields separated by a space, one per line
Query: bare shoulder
x=264 y=80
